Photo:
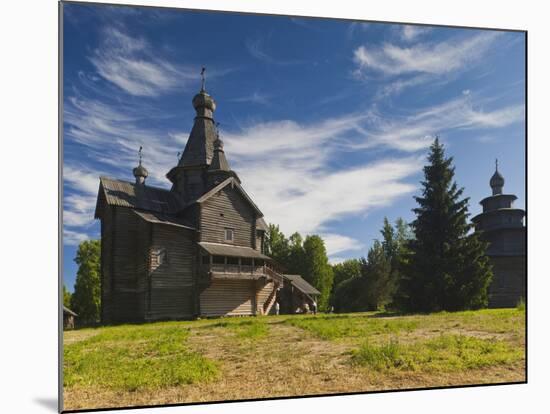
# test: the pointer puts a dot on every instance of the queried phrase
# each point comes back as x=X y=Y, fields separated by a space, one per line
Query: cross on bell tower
x=203 y=79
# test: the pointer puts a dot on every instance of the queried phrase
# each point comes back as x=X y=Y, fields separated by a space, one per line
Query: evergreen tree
x=296 y=255
x=277 y=245
x=86 y=299
x=403 y=236
x=379 y=283
x=317 y=270
x=389 y=241
x=371 y=289
x=447 y=268
x=66 y=297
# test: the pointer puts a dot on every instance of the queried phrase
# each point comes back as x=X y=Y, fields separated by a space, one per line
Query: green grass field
x=261 y=357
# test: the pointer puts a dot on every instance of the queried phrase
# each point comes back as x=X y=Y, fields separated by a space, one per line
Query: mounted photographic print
x=263 y=206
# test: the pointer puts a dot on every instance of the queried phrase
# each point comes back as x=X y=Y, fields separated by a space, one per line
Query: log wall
x=228 y=209
x=228 y=297
x=508 y=285
x=172 y=279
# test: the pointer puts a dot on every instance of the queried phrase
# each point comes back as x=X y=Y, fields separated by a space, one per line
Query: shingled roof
x=142 y=197
x=218 y=249
x=299 y=283
x=159 y=218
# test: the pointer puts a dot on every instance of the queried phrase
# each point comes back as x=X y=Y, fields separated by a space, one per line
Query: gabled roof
x=233 y=181
x=143 y=197
x=299 y=283
x=218 y=249
x=159 y=218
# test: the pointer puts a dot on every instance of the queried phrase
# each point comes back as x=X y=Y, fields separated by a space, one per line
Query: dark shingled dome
x=497 y=182
x=203 y=100
x=141 y=171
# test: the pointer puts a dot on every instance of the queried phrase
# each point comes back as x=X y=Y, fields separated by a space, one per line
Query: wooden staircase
x=277 y=282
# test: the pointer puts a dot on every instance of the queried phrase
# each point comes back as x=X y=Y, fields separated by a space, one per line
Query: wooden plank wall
x=128 y=259
x=106 y=263
x=228 y=297
x=508 y=284
x=172 y=282
x=237 y=214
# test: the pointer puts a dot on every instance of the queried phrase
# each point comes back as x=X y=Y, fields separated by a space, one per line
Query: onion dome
x=203 y=100
x=140 y=172
x=203 y=103
x=497 y=181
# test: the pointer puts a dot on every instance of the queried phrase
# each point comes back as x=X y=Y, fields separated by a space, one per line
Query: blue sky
x=326 y=122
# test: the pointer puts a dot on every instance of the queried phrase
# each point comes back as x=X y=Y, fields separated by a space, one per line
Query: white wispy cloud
x=254 y=97
x=106 y=129
x=432 y=58
x=130 y=63
x=79 y=203
x=416 y=130
x=284 y=166
x=337 y=243
x=410 y=33
x=73 y=238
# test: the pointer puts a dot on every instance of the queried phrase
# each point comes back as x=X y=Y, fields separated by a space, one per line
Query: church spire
x=219 y=162
x=200 y=145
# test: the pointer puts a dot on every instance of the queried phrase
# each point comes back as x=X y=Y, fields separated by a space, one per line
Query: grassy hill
x=272 y=356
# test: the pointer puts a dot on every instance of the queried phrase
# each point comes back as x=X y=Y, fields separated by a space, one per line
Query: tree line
x=434 y=263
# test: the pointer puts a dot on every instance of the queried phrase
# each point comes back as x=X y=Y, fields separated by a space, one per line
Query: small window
x=160 y=257
x=229 y=235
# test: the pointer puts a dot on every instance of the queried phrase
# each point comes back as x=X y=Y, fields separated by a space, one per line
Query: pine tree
x=317 y=270
x=86 y=299
x=377 y=272
x=389 y=242
x=447 y=268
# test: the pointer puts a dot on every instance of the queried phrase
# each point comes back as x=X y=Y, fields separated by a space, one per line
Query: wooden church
x=197 y=249
x=502 y=226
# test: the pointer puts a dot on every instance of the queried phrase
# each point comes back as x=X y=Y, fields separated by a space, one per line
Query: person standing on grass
x=277 y=308
x=314 y=307
x=306 y=308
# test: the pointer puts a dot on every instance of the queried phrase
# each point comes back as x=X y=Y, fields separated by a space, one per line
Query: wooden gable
x=228 y=210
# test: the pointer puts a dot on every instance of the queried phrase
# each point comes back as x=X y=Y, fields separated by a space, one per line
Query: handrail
x=274 y=275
